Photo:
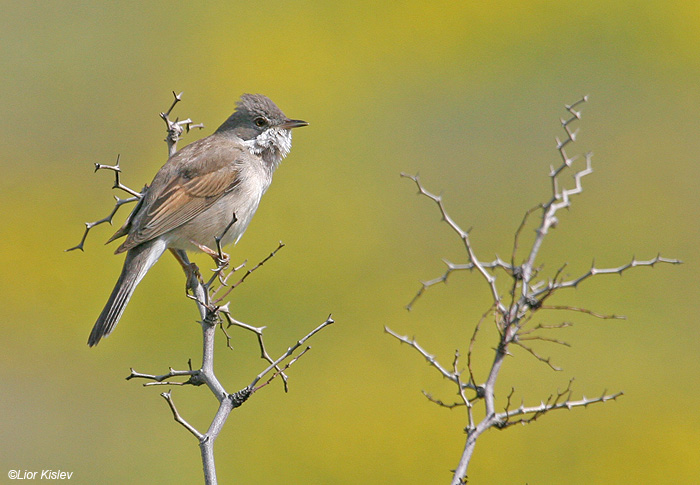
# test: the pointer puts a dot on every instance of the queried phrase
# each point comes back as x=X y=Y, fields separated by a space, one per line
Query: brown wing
x=189 y=183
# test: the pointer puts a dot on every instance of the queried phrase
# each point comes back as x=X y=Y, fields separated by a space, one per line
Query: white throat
x=275 y=140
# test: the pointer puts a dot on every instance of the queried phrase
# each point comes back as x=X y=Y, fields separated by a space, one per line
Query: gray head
x=262 y=126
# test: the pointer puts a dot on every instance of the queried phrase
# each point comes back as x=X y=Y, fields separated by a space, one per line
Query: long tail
x=137 y=263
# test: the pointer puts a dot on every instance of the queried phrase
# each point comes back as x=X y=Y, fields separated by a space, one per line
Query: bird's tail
x=138 y=261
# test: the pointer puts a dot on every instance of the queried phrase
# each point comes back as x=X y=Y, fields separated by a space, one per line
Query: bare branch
x=546 y=360
x=519 y=230
x=441 y=403
x=119 y=202
x=479 y=390
x=258 y=331
x=464 y=236
x=175 y=131
x=602 y=316
x=177 y=99
x=564 y=198
x=291 y=350
x=179 y=419
x=194 y=377
x=619 y=270
x=544 y=339
x=247 y=273
x=430 y=358
x=560 y=198
x=117 y=180
x=543 y=408
x=108 y=218
x=176 y=128
x=527 y=293
x=497 y=263
x=280 y=372
x=460 y=389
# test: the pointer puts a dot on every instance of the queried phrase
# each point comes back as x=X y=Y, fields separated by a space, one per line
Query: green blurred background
x=468 y=95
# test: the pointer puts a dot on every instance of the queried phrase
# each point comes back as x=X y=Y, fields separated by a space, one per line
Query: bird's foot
x=221 y=259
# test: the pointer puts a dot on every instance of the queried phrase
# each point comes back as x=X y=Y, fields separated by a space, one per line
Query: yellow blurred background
x=467 y=93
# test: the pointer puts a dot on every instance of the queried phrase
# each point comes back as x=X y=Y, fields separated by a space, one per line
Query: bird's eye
x=260 y=122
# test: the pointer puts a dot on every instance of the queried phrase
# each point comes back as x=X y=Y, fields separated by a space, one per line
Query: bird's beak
x=289 y=124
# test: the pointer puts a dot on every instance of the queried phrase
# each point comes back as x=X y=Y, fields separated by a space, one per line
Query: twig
x=546 y=360
x=179 y=419
x=602 y=316
x=258 y=331
x=430 y=358
x=248 y=273
x=544 y=408
x=291 y=350
x=135 y=196
x=497 y=263
x=176 y=128
x=619 y=270
x=441 y=403
x=463 y=235
x=194 y=377
x=280 y=372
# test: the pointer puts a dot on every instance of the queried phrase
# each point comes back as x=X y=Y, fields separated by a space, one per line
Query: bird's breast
x=217 y=221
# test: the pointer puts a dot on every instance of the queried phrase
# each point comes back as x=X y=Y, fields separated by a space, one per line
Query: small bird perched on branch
x=204 y=195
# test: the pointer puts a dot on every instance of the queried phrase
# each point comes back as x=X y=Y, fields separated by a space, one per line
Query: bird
x=204 y=195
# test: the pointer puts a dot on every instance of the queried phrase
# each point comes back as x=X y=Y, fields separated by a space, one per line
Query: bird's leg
x=192 y=274
x=220 y=258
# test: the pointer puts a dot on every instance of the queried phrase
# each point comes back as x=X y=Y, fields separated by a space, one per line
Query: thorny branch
x=135 y=196
x=245 y=275
x=176 y=128
x=561 y=401
x=175 y=131
x=497 y=263
x=452 y=376
x=206 y=375
x=211 y=313
x=526 y=295
x=481 y=267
